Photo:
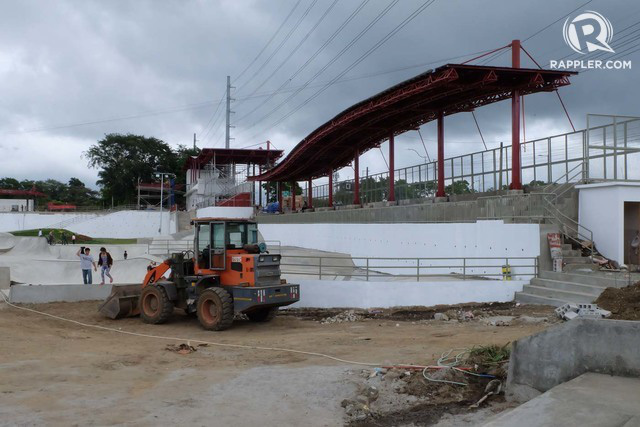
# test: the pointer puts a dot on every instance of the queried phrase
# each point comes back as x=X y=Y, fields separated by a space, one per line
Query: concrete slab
x=589 y=400
x=37 y=294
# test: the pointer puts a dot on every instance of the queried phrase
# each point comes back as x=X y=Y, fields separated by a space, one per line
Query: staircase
x=581 y=286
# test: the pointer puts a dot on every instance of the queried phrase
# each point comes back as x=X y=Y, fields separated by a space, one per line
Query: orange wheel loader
x=228 y=272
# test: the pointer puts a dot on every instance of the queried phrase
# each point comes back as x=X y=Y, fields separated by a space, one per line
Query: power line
x=324 y=15
x=332 y=61
x=379 y=43
x=282 y=42
x=295 y=6
x=315 y=54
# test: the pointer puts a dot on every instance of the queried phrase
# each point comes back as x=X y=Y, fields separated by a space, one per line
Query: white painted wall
x=411 y=240
x=225 y=212
x=7 y=205
x=601 y=210
x=123 y=224
x=329 y=293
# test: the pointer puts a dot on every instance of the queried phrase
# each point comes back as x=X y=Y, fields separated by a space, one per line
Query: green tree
x=272 y=189
x=122 y=159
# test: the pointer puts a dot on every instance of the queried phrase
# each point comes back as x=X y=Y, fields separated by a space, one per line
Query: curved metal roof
x=452 y=88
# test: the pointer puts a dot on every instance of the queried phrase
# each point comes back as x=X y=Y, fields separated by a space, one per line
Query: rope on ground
x=447 y=362
x=214 y=343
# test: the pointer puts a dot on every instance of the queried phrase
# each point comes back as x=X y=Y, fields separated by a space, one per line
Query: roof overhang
x=228 y=156
x=452 y=88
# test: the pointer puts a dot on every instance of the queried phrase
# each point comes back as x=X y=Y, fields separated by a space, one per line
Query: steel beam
x=330 y=187
x=440 y=192
x=356 y=179
x=516 y=181
x=392 y=178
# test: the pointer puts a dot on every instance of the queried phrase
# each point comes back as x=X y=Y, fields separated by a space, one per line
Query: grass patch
x=489 y=355
x=80 y=238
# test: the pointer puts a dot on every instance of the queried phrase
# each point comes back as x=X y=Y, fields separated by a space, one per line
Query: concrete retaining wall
x=559 y=354
x=5 y=277
x=37 y=294
x=327 y=293
x=320 y=293
x=123 y=224
x=481 y=239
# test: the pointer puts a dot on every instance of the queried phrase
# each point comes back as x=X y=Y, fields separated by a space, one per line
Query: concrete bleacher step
x=593 y=279
x=568 y=286
x=576 y=260
x=566 y=296
x=525 y=298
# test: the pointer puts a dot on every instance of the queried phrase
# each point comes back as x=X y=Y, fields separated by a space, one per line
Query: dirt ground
x=59 y=373
x=623 y=303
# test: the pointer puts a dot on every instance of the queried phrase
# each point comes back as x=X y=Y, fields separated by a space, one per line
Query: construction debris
x=181 y=349
x=571 y=311
x=346 y=316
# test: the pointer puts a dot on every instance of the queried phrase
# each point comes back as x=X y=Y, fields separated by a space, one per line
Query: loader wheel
x=215 y=309
x=155 y=305
x=263 y=314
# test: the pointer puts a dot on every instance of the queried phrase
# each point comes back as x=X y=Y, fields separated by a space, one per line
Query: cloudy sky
x=74 y=70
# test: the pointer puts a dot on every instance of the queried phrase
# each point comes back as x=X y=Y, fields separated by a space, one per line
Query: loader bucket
x=122 y=302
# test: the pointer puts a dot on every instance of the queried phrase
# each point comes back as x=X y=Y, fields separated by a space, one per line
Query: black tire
x=215 y=309
x=262 y=314
x=155 y=305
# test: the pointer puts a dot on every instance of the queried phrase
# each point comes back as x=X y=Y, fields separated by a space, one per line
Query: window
x=237 y=234
x=203 y=237
x=253 y=233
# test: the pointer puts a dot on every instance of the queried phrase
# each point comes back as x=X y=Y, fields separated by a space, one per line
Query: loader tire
x=215 y=309
x=155 y=305
x=263 y=314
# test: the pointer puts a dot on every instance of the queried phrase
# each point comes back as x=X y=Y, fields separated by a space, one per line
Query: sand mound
x=623 y=303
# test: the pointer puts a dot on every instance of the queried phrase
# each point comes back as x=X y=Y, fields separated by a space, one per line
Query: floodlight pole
x=516 y=181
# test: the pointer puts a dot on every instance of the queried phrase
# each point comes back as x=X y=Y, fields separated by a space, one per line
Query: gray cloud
x=71 y=62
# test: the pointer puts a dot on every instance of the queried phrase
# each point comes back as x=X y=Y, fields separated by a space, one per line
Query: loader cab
x=213 y=238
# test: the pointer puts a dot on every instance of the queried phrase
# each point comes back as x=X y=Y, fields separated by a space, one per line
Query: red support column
x=392 y=177
x=330 y=188
x=310 y=194
x=440 y=192
x=356 y=179
x=293 y=196
x=280 y=197
x=516 y=183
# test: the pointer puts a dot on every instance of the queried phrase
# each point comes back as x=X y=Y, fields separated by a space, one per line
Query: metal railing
x=607 y=151
x=371 y=268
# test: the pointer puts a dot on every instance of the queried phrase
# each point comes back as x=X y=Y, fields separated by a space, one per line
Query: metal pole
x=310 y=194
x=392 y=189
x=625 y=156
x=440 y=192
x=615 y=148
x=549 y=160
x=516 y=182
x=320 y=268
x=293 y=196
x=356 y=179
x=280 y=207
x=500 y=180
x=330 y=188
x=227 y=136
x=161 y=196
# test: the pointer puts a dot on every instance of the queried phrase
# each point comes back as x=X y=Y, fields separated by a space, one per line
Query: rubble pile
x=345 y=316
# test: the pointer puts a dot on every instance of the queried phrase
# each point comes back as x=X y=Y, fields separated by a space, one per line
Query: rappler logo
x=588 y=32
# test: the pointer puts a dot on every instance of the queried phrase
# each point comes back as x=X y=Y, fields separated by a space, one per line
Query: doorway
x=631 y=230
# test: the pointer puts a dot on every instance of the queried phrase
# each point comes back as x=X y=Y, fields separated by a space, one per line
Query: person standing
x=40 y=232
x=64 y=238
x=86 y=262
x=105 y=262
x=125 y=255
x=50 y=239
x=73 y=239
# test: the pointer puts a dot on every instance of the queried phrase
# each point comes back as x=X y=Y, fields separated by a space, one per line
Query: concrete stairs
x=558 y=288
x=579 y=282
